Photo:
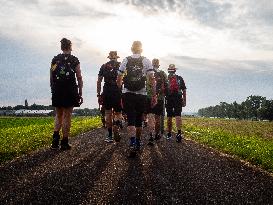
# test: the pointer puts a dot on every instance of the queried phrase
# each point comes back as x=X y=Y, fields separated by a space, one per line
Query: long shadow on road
x=94 y=172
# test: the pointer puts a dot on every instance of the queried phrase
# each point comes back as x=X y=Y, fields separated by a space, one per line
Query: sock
x=179 y=131
x=110 y=131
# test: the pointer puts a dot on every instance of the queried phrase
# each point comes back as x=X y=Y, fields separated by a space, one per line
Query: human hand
x=154 y=101
x=80 y=100
x=184 y=103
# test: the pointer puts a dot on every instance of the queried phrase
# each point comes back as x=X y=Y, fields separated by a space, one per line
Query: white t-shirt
x=147 y=69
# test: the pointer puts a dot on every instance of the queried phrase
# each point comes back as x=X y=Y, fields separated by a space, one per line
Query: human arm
x=99 y=85
x=184 y=92
x=80 y=81
x=184 y=103
x=121 y=71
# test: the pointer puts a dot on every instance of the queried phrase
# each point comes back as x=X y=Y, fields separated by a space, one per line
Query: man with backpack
x=155 y=113
x=66 y=88
x=133 y=72
x=111 y=96
x=158 y=110
x=175 y=100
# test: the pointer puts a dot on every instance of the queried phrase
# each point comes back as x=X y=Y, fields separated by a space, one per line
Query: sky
x=222 y=48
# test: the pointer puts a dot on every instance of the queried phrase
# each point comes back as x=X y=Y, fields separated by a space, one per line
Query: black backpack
x=134 y=79
x=110 y=73
x=62 y=70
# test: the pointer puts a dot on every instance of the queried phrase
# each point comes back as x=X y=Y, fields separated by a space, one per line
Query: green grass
x=250 y=141
x=21 y=135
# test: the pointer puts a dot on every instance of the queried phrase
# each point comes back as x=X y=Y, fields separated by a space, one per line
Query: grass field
x=249 y=140
x=21 y=135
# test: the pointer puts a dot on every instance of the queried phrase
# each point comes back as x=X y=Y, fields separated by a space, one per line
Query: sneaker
x=65 y=145
x=132 y=142
x=55 y=141
x=178 y=137
x=137 y=144
x=151 y=141
x=169 y=136
x=109 y=139
x=157 y=137
x=117 y=137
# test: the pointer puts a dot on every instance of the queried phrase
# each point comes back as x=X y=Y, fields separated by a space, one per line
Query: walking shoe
x=132 y=142
x=169 y=136
x=137 y=144
x=109 y=139
x=178 y=137
x=157 y=137
x=65 y=145
x=117 y=137
x=55 y=141
x=151 y=141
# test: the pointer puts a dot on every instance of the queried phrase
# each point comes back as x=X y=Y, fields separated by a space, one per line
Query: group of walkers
x=134 y=88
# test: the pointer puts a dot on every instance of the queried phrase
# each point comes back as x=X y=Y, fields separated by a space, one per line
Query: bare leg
x=131 y=131
x=66 y=122
x=178 y=121
x=169 y=124
x=138 y=132
x=108 y=117
x=157 y=124
x=58 y=119
x=151 y=123
x=117 y=117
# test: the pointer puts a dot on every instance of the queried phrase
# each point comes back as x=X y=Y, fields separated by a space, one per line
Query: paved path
x=97 y=173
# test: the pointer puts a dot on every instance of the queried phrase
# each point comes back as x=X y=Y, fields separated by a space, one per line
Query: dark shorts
x=134 y=106
x=112 y=100
x=157 y=109
x=174 y=105
x=65 y=97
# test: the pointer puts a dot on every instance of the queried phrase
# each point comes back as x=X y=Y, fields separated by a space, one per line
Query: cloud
x=208 y=40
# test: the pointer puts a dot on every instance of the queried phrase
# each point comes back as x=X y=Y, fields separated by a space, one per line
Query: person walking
x=175 y=100
x=66 y=87
x=133 y=72
x=158 y=110
x=111 y=96
x=154 y=113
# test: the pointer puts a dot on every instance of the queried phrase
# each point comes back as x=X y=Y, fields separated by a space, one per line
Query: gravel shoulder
x=94 y=172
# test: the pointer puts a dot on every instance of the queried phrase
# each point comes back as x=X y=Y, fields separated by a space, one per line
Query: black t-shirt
x=109 y=71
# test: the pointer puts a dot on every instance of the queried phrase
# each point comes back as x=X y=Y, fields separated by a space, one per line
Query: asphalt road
x=94 y=172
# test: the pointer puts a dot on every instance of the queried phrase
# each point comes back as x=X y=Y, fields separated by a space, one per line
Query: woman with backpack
x=66 y=88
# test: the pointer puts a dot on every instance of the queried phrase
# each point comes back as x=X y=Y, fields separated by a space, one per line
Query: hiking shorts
x=65 y=96
x=157 y=109
x=134 y=107
x=174 y=105
x=112 y=100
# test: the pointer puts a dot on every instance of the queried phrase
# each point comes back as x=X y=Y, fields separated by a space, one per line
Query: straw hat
x=113 y=55
x=171 y=68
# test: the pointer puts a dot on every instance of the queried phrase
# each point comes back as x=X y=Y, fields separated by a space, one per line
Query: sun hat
x=171 y=68
x=113 y=55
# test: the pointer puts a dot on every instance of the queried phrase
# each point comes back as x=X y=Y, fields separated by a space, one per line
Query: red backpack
x=173 y=84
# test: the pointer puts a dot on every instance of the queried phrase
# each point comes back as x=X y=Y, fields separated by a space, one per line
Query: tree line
x=254 y=108
x=77 y=111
